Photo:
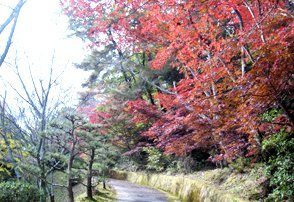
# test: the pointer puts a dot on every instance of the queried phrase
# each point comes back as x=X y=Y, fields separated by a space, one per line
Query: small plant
x=240 y=164
x=270 y=115
x=156 y=161
x=278 y=153
x=19 y=191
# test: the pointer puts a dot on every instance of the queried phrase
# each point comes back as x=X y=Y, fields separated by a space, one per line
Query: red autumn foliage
x=142 y=112
x=94 y=115
x=237 y=57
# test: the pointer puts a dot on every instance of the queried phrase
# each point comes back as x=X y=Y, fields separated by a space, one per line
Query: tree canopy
x=235 y=58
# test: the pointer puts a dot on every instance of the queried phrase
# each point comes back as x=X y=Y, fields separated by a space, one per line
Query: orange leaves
x=236 y=56
x=166 y=101
x=161 y=59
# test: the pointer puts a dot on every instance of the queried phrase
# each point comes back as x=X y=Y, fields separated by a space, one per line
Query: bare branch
x=8 y=44
x=28 y=98
x=254 y=18
x=34 y=85
x=14 y=15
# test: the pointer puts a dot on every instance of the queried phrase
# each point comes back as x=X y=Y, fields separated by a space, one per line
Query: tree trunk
x=89 y=187
x=43 y=188
x=69 y=178
x=41 y=165
x=52 y=199
x=70 y=191
x=90 y=175
x=149 y=92
x=51 y=190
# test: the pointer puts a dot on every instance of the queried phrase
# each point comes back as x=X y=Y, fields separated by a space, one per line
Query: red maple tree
x=236 y=55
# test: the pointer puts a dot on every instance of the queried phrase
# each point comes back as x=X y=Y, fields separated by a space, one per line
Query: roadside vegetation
x=194 y=88
x=100 y=193
x=107 y=195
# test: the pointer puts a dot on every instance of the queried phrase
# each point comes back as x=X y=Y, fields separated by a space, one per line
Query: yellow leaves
x=3 y=169
x=14 y=144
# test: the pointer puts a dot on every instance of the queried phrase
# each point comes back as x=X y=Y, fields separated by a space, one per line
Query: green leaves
x=280 y=162
x=19 y=191
x=156 y=160
x=270 y=115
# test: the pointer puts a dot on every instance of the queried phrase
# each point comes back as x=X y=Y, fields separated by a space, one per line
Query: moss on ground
x=102 y=195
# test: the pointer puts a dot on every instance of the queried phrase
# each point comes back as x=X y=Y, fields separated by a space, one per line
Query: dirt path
x=129 y=192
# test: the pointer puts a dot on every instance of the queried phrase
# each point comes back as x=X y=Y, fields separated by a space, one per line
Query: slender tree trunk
x=51 y=195
x=43 y=187
x=89 y=187
x=104 y=179
x=104 y=184
x=121 y=57
x=70 y=184
x=149 y=92
x=69 y=178
x=41 y=165
x=42 y=178
x=70 y=191
x=90 y=175
x=52 y=199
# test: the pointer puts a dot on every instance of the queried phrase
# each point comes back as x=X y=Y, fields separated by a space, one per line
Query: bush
x=184 y=165
x=270 y=115
x=240 y=164
x=279 y=156
x=5 y=172
x=156 y=160
x=18 y=191
x=128 y=163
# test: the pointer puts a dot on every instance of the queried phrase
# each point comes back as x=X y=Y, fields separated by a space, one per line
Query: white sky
x=41 y=30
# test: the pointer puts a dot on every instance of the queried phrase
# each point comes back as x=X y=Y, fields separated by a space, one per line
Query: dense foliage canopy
x=236 y=58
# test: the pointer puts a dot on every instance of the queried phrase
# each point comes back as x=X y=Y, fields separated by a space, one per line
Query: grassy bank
x=219 y=185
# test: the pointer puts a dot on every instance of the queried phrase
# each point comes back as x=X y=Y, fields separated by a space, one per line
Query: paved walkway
x=129 y=192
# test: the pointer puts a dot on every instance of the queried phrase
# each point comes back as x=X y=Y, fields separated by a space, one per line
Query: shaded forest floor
x=102 y=195
x=61 y=192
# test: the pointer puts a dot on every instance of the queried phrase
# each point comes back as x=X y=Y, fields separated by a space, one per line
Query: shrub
x=279 y=156
x=18 y=191
x=240 y=164
x=182 y=165
x=5 y=172
x=128 y=163
x=270 y=115
x=156 y=160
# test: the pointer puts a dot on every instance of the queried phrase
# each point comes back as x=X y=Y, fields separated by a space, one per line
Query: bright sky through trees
x=42 y=31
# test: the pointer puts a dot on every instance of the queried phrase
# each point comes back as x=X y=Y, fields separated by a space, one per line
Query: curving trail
x=129 y=192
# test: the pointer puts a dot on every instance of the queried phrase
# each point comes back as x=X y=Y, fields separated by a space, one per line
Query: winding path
x=129 y=192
